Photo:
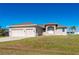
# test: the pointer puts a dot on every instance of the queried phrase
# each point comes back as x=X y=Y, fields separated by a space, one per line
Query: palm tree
x=73 y=29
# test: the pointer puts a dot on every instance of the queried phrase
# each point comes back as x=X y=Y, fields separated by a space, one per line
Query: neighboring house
x=32 y=30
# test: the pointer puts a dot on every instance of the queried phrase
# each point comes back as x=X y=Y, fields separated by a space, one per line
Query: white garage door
x=30 y=33
x=18 y=33
x=23 y=33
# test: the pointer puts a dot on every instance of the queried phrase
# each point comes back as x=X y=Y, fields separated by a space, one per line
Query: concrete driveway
x=3 y=39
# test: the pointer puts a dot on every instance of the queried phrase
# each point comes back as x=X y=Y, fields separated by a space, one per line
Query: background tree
x=3 y=31
x=73 y=28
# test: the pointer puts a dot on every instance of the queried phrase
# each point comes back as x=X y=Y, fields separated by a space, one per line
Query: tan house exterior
x=33 y=30
x=55 y=29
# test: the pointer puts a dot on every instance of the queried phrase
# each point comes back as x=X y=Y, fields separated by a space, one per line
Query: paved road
x=3 y=39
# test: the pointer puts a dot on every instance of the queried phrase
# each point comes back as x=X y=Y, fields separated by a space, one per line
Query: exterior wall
x=49 y=32
x=39 y=31
x=55 y=32
x=24 y=33
x=60 y=32
x=48 y=26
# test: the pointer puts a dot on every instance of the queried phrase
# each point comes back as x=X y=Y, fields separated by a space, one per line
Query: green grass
x=45 y=45
x=3 y=36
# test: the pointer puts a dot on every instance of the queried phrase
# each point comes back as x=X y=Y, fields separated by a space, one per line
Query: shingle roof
x=41 y=25
x=23 y=24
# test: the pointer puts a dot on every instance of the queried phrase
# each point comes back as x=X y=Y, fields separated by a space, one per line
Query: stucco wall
x=60 y=32
x=56 y=32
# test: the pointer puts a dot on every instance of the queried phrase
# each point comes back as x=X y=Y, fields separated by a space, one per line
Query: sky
x=39 y=13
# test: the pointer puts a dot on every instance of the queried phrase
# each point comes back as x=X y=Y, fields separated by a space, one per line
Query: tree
x=3 y=32
x=73 y=28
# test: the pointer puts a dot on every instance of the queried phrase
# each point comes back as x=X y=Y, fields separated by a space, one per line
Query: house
x=32 y=30
x=54 y=29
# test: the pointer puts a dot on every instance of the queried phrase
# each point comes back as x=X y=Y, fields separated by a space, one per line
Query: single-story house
x=32 y=30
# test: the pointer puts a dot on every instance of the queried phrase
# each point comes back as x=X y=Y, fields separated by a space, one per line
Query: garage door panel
x=30 y=33
x=18 y=33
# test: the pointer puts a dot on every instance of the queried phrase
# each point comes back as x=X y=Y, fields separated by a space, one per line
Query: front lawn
x=54 y=45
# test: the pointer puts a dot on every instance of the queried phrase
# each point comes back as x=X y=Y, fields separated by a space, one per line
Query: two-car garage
x=17 y=32
x=22 y=32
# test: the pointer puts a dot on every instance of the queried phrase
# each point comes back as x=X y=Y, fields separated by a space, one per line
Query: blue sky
x=65 y=14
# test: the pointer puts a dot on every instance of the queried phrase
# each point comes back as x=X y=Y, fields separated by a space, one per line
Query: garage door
x=17 y=33
x=30 y=33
